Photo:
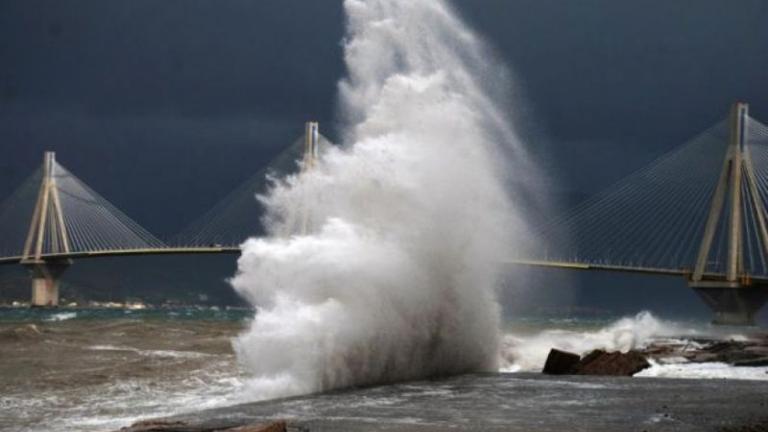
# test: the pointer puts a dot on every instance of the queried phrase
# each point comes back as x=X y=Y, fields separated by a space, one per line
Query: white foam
x=529 y=352
x=150 y=353
x=394 y=277
x=62 y=316
x=704 y=371
x=120 y=403
x=109 y=348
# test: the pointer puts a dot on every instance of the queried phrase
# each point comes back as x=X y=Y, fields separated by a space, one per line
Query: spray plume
x=408 y=222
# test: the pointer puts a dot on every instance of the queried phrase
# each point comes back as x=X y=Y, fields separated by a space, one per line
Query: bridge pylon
x=732 y=295
x=311 y=145
x=309 y=160
x=47 y=234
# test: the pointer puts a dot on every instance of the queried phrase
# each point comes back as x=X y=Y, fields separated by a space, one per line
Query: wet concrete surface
x=515 y=402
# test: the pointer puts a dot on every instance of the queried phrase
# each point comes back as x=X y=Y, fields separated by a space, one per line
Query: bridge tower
x=311 y=145
x=311 y=155
x=733 y=297
x=47 y=234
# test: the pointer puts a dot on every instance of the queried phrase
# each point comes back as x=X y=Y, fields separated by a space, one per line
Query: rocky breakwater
x=597 y=362
x=750 y=352
x=747 y=352
x=180 y=426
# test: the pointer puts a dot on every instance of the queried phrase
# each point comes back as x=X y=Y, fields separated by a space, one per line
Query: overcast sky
x=164 y=106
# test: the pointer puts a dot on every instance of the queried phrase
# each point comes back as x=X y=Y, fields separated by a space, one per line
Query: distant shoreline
x=123 y=306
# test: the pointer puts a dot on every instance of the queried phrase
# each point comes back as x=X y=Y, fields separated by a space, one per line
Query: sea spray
x=528 y=352
x=393 y=277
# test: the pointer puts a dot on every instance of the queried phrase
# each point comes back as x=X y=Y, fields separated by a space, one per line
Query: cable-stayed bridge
x=697 y=212
x=54 y=218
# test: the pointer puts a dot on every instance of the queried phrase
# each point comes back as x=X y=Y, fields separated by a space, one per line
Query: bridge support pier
x=45 y=282
x=733 y=305
x=733 y=297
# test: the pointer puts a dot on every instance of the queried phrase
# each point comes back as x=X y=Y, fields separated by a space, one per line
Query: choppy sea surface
x=96 y=370
x=99 y=370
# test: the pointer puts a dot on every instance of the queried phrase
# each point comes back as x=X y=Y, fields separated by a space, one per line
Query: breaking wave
x=529 y=352
x=62 y=316
x=394 y=277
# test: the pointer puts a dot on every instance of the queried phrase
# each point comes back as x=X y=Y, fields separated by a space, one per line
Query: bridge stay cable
x=54 y=216
x=697 y=211
x=640 y=220
x=240 y=214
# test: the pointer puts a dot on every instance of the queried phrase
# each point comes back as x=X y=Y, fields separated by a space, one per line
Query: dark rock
x=749 y=352
x=757 y=362
x=700 y=357
x=560 y=362
x=599 y=362
x=156 y=426
x=725 y=346
x=732 y=352
x=177 y=426
x=278 y=426
x=661 y=351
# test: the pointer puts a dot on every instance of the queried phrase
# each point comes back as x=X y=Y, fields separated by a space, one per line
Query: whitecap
x=151 y=353
x=62 y=316
x=704 y=371
x=529 y=352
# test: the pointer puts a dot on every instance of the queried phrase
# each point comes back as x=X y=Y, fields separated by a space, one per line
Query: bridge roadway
x=189 y=250
x=622 y=269
x=233 y=250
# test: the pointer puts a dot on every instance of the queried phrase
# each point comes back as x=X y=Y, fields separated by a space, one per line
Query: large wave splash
x=528 y=352
x=408 y=222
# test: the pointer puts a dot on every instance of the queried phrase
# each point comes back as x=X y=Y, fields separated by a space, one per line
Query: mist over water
x=408 y=222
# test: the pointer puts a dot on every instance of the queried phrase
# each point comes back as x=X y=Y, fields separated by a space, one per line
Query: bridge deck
x=606 y=267
x=623 y=269
x=231 y=250
x=131 y=252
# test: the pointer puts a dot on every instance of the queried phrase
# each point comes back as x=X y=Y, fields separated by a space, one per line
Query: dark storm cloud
x=164 y=106
x=192 y=58
x=613 y=84
x=612 y=68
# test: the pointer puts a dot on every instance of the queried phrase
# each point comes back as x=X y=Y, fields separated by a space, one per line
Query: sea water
x=97 y=370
